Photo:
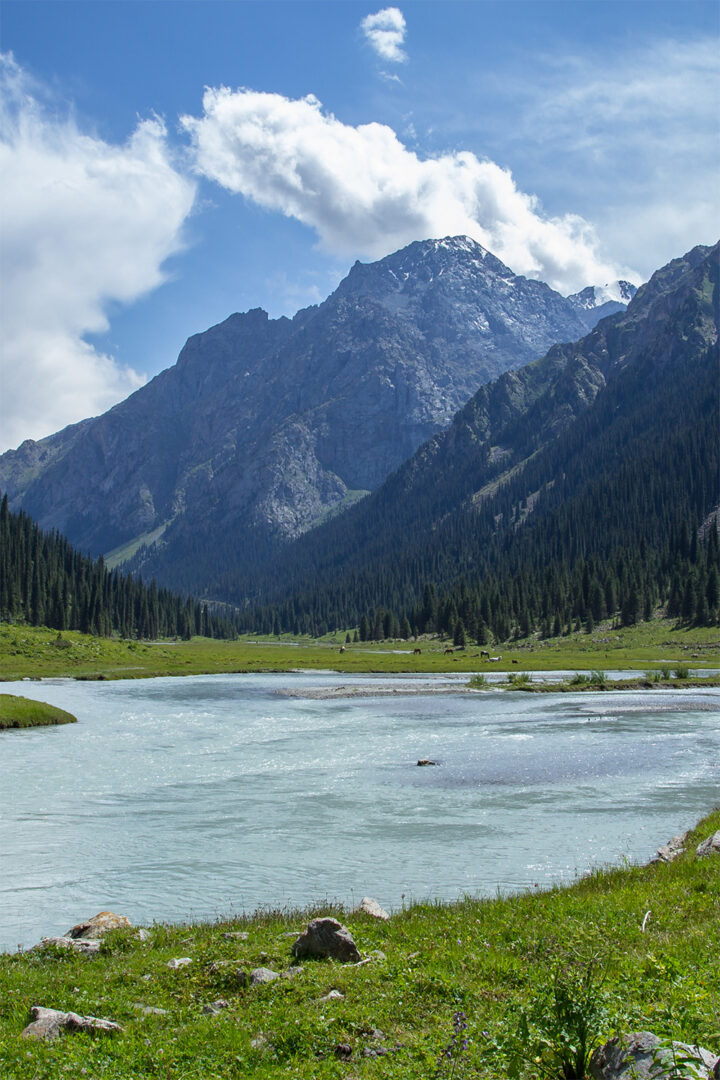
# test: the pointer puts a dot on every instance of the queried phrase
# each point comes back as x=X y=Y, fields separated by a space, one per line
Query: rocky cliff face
x=262 y=425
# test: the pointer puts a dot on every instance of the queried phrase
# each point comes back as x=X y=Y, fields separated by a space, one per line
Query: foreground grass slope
x=35 y=652
x=492 y=959
x=21 y=712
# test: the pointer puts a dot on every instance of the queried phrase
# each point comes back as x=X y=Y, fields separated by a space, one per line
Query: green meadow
x=625 y=949
x=21 y=712
x=36 y=652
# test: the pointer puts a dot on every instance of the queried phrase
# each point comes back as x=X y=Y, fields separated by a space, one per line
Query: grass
x=34 y=652
x=496 y=962
x=21 y=712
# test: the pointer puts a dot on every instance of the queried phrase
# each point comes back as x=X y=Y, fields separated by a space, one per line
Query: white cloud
x=365 y=193
x=385 y=32
x=84 y=224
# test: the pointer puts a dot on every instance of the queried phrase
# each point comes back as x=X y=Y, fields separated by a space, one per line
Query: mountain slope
x=600 y=446
x=263 y=425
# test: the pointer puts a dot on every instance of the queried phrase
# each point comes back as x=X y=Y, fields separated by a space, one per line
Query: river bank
x=643 y=939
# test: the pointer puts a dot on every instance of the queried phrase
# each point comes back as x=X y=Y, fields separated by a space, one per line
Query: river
x=208 y=796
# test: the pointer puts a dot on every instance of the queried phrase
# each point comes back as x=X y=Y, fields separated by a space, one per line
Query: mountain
x=602 y=453
x=265 y=425
x=596 y=301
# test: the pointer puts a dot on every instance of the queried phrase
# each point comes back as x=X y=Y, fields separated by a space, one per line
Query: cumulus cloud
x=85 y=224
x=385 y=32
x=365 y=193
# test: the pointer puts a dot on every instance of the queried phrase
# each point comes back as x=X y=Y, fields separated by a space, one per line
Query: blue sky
x=168 y=163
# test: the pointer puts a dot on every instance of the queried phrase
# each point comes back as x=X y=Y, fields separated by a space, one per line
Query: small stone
x=377 y=954
x=372 y=908
x=214 y=1007
x=711 y=846
x=181 y=961
x=236 y=935
x=142 y=934
x=327 y=938
x=262 y=975
x=343 y=1051
x=672 y=850
x=259 y=1042
x=149 y=1010
x=334 y=995
x=426 y=761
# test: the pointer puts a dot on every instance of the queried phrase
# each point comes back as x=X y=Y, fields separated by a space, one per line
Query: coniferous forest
x=45 y=582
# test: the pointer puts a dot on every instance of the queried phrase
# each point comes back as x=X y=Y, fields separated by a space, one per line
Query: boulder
x=371 y=907
x=48 y=1023
x=327 y=938
x=100 y=924
x=711 y=846
x=643 y=1056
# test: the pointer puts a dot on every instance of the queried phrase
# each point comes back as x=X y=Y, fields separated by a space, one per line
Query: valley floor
x=36 y=652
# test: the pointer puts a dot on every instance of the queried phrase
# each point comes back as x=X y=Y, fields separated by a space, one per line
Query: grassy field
x=20 y=712
x=628 y=949
x=32 y=652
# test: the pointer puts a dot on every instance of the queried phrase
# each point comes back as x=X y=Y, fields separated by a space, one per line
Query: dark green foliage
x=45 y=582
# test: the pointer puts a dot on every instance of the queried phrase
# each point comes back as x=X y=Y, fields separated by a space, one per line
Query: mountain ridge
x=264 y=425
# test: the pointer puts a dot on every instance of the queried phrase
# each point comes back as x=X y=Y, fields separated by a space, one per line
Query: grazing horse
x=342 y=648
x=417 y=652
x=484 y=652
x=448 y=651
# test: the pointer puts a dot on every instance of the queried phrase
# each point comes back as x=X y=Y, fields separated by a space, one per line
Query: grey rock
x=673 y=849
x=236 y=935
x=643 y=1056
x=215 y=1007
x=711 y=846
x=371 y=907
x=179 y=962
x=149 y=1010
x=262 y=975
x=142 y=934
x=333 y=995
x=85 y=946
x=426 y=761
x=327 y=938
x=48 y=1023
x=99 y=924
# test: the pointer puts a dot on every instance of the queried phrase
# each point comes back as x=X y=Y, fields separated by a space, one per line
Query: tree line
x=44 y=581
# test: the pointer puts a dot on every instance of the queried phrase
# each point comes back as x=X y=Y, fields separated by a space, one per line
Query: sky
x=165 y=163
